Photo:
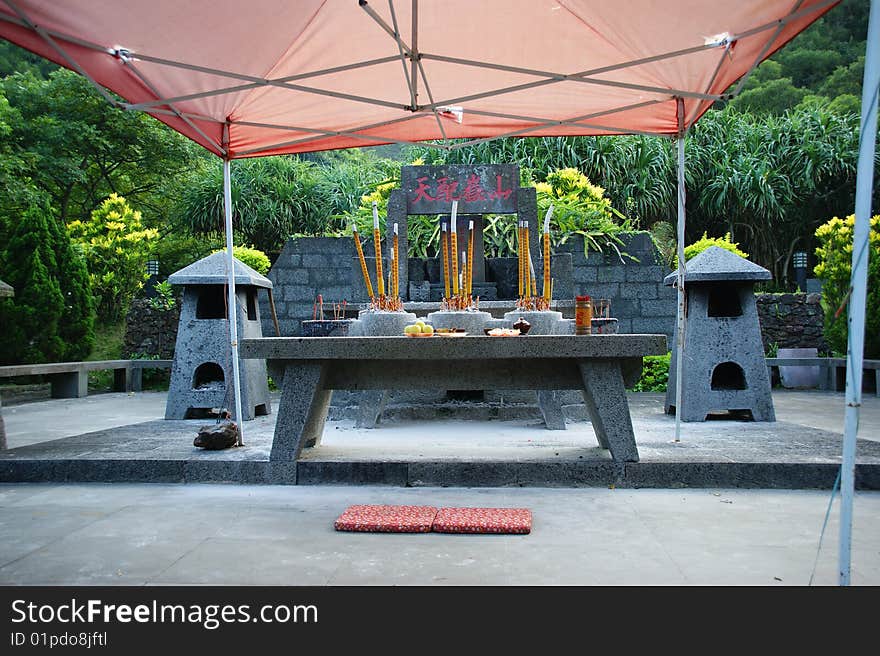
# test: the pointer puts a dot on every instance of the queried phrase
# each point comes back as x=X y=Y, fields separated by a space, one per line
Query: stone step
x=459 y=411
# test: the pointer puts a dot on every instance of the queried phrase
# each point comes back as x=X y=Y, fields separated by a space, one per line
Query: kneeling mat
x=483 y=520
x=386 y=519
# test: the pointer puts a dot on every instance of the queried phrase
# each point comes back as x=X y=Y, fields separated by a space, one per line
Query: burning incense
x=470 y=260
x=454 y=248
x=547 y=284
x=444 y=243
x=377 y=246
x=360 y=252
x=395 y=290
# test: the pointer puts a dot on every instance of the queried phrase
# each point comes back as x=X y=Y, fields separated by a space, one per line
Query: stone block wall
x=639 y=299
x=791 y=321
x=329 y=266
x=149 y=331
x=307 y=267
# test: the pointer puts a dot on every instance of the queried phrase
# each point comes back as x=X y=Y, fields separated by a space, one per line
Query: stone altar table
x=309 y=368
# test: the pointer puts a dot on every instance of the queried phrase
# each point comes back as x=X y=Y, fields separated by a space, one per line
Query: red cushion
x=483 y=520
x=386 y=519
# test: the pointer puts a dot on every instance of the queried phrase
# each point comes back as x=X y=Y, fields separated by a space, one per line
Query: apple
x=427 y=329
x=412 y=329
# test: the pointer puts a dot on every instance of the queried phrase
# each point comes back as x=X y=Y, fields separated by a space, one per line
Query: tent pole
x=232 y=302
x=860 y=253
x=680 y=279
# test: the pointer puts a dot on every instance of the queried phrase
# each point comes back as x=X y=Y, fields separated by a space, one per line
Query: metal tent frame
x=411 y=58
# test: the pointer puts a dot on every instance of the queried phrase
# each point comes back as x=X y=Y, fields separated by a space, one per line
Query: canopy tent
x=273 y=76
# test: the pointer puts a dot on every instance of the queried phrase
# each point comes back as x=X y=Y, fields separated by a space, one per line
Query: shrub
x=116 y=248
x=164 y=299
x=691 y=251
x=655 y=374
x=255 y=259
x=51 y=317
x=835 y=269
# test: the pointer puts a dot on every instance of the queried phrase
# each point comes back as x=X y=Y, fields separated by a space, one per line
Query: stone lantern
x=202 y=374
x=724 y=368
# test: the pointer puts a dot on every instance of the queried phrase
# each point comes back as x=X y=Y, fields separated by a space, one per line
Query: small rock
x=217 y=436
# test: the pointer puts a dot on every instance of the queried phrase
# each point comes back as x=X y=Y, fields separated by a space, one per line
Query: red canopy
x=275 y=76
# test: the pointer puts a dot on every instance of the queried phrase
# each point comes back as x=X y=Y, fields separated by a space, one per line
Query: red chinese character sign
x=482 y=189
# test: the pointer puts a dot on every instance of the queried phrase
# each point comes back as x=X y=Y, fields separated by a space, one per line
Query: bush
x=691 y=251
x=655 y=374
x=51 y=318
x=835 y=269
x=116 y=247
x=255 y=259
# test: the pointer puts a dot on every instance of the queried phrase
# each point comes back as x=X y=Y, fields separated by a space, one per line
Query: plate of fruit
x=419 y=329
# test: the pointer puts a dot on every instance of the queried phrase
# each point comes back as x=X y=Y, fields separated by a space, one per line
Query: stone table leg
x=370 y=406
x=302 y=410
x=605 y=398
x=551 y=409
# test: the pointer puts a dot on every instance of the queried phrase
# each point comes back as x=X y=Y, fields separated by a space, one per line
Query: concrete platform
x=137 y=534
x=800 y=451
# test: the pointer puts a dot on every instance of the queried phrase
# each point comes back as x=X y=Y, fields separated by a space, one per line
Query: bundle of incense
x=454 y=239
x=444 y=244
x=469 y=276
x=360 y=252
x=377 y=247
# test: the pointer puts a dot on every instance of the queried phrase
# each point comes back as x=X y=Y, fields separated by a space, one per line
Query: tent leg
x=680 y=279
x=856 y=329
x=232 y=302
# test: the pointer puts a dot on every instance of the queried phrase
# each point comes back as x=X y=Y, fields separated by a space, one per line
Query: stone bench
x=308 y=368
x=70 y=380
x=832 y=371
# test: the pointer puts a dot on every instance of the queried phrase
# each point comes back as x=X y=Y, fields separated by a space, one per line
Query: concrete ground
x=42 y=421
x=136 y=534
x=157 y=534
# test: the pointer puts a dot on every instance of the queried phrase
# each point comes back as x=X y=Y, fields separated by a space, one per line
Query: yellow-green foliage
x=705 y=242
x=580 y=208
x=835 y=269
x=254 y=258
x=116 y=247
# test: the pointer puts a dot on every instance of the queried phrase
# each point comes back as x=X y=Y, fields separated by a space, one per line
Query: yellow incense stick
x=444 y=242
x=530 y=273
x=519 y=256
x=454 y=239
x=360 y=252
x=546 y=288
x=470 y=261
x=395 y=292
x=377 y=247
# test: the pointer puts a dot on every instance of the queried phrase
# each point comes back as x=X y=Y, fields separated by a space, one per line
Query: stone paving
x=801 y=450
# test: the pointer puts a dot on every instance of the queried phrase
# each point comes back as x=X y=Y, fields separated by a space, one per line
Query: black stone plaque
x=481 y=189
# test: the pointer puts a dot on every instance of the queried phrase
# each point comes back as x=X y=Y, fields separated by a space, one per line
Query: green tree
x=773 y=97
x=31 y=319
x=71 y=144
x=116 y=247
x=77 y=326
x=834 y=267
